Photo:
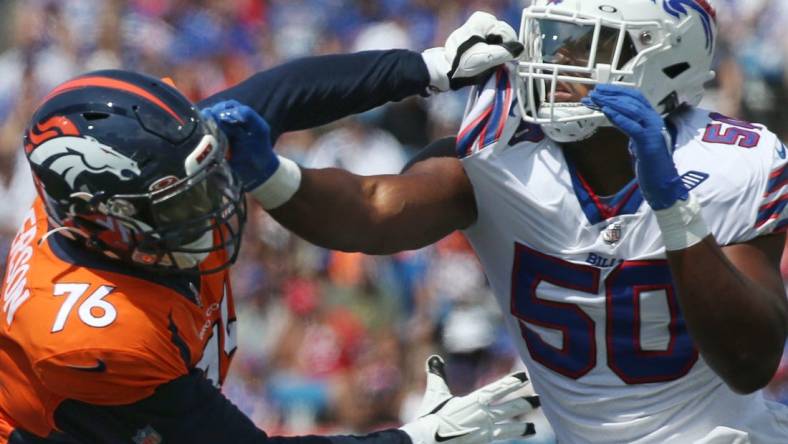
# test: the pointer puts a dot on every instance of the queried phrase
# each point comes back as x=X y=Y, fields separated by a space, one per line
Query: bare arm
x=381 y=214
x=735 y=306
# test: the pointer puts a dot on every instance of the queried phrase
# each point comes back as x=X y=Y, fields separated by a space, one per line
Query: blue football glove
x=629 y=110
x=251 y=153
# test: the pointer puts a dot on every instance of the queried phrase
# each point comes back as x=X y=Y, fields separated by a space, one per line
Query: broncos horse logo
x=708 y=15
x=71 y=156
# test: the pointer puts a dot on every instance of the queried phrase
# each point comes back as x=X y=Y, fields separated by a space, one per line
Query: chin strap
x=574 y=131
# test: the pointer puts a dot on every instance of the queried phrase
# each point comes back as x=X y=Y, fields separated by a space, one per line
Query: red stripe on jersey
x=473 y=125
x=475 y=122
x=776 y=173
x=507 y=107
x=773 y=203
x=776 y=187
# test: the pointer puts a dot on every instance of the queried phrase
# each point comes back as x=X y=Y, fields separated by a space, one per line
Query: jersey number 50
x=737 y=132
x=626 y=356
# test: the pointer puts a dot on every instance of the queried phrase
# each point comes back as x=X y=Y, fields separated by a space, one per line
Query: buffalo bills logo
x=72 y=156
x=708 y=15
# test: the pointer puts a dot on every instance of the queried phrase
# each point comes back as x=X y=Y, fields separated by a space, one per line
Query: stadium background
x=333 y=342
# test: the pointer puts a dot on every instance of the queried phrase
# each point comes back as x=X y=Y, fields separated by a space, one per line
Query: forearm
x=332 y=208
x=373 y=214
x=314 y=91
x=738 y=324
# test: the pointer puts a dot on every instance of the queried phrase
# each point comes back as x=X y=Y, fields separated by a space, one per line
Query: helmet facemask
x=568 y=54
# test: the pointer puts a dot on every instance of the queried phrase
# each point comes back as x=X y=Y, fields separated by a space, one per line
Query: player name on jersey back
x=15 y=291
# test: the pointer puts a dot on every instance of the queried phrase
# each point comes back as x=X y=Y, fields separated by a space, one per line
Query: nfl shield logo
x=147 y=436
x=612 y=233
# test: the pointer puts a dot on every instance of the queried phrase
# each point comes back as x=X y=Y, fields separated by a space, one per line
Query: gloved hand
x=479 y=45
x=649 y=142
x=470 y=419
x=252 y=155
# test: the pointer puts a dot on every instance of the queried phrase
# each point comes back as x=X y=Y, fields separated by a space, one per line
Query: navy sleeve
x=446 y=147
x=317 y=90
x=187 y=410
x=391 y=436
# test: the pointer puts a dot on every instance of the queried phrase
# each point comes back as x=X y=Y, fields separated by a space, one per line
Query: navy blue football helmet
x=127 y=165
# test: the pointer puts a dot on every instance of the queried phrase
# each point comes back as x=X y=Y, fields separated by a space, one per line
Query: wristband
x=682 y=224
x=280 y=187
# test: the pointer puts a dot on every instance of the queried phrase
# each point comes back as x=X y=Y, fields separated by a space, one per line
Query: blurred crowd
x=329 y=341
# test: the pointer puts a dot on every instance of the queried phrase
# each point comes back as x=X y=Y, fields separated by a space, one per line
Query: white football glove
x=479 y=45
x=471 y=419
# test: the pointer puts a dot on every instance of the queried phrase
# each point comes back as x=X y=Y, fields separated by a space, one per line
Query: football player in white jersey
x=632 y=239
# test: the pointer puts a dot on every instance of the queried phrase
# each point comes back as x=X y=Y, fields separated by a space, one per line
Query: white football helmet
x=662 y=47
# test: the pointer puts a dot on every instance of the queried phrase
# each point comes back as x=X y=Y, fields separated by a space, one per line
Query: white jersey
x=585 y=286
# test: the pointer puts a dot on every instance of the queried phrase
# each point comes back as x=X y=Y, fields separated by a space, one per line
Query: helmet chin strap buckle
x=80 y=202
x=143 y=257
x=88 y=202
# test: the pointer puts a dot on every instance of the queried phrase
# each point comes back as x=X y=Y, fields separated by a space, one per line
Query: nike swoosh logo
x=440 y=438
x=521 y=133
x=526 y=132
x=98 y=368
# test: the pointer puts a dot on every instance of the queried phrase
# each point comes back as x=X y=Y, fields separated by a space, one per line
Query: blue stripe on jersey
x=771 y=210
x=485 y=129
x=598 y=209
x=777 y=179
x=468 y=136
x=499 y=110
x=781 y=226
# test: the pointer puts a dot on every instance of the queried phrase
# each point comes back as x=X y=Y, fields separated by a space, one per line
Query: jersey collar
x=65 y=250
x=601 y=208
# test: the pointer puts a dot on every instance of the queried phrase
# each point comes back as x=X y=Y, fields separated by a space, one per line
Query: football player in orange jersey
x=117 y=323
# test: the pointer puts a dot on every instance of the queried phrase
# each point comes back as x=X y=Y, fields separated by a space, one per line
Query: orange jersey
x=75 y=326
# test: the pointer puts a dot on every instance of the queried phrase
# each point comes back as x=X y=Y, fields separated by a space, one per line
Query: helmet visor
x=571 y=44
x=182 y=213
x=565 y=57
x=208 y=205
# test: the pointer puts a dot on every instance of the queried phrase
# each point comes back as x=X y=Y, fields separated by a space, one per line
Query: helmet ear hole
x=676 y=70
x=670 y=103
x=95 y=116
